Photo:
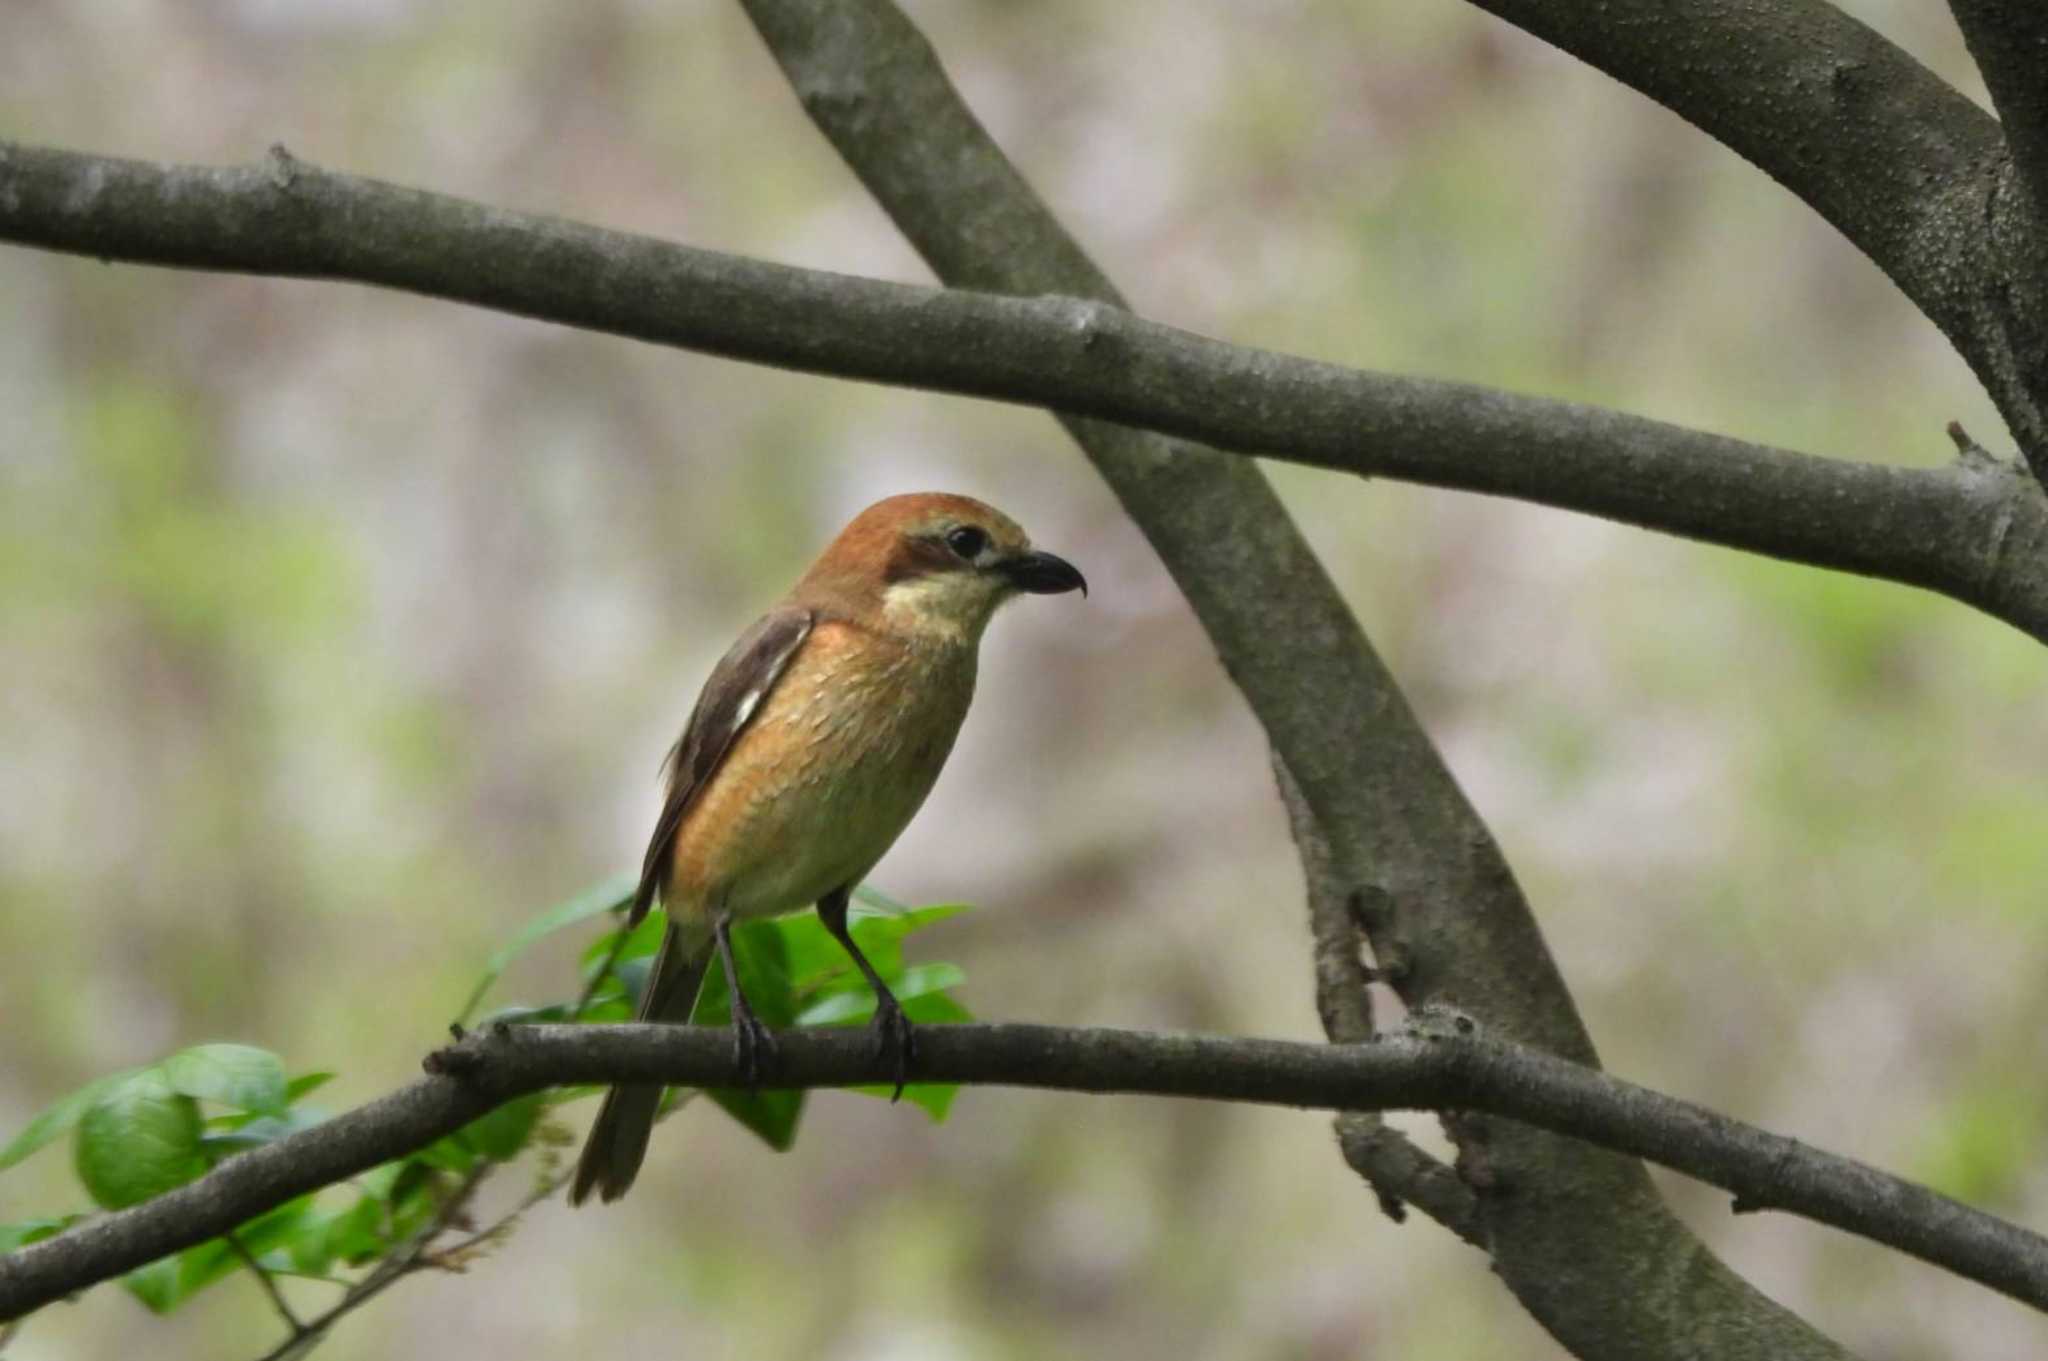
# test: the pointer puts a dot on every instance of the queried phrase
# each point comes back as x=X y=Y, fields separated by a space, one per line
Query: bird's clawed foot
x=753 y=1046
x=895 y=1040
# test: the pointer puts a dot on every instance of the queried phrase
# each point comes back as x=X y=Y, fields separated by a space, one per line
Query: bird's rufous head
x=934 y=563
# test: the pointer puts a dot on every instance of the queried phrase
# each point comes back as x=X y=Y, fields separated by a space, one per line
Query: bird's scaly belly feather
x=826 y=777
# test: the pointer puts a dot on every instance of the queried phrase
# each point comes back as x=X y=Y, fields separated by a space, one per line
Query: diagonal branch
x=1377 y=789
x=2008 y=40
x=1965 y=530
x=1898 y=161
x=1434 y=1067
x=1399 y=1171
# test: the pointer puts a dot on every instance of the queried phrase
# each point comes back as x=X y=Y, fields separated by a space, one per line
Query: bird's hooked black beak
x=1043 y=574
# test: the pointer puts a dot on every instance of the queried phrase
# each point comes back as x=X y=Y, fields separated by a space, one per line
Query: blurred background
x=344 y=630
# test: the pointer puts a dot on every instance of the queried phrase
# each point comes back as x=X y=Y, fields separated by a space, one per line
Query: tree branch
x=1898 y=161
x=1399 y=1171
x=1964 y=530
x=407 y=1258
x=1640 y=1283
x=2008 y=40
x=1436 y=1067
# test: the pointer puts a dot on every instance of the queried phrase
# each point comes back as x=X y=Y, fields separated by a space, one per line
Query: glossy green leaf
x=772 y=1115
x=850 y=1006
x=237 y=1075
x=138 y=1140
x=232 y=1134
x=169 y=1281
x=58 y=1118
x=451 y=1155
x=608 y=896
x=353 y=1235
x=28 y=1231
x=795 y=973
x=305 y=1083
x=165 y=1283
x=634 y=956
x=388 y=1182
x=763 y=958
x=415 y=1200
x=502 y=1133
x=326 y=1233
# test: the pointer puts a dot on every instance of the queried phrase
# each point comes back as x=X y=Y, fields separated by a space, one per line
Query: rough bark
x=1435 y=1066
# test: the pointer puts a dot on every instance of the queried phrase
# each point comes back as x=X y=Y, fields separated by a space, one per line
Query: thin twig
x=396 y=1265
x=264 y=1279
x=456 y=1252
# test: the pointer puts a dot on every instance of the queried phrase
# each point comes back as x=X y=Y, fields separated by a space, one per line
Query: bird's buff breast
x=826 y=777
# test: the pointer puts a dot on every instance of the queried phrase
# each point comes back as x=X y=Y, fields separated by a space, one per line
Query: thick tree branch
x=1640 y=1284
x=1400 y=1172
x=1966 y=530
x=2008 y=40
x=1435 y=1067
x=1901 y=163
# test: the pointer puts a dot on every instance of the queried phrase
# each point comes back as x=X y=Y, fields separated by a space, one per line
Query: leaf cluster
x=140 y=1133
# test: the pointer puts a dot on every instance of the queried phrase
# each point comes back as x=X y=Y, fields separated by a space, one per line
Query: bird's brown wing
x=738 y=684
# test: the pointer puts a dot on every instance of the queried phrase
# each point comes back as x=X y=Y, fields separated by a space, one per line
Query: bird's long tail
x=618 y=1141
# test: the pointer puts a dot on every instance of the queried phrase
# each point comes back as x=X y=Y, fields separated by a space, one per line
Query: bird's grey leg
x=894 y=1038
x=751 y=1041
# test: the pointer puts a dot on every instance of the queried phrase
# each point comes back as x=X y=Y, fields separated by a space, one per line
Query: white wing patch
x=756 y=662
x=744 y=710
x=769 y=670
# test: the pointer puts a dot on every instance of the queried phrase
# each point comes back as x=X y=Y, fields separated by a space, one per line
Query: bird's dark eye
x=966 y=541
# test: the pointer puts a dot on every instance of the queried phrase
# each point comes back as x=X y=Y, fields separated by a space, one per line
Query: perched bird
x=811 y=747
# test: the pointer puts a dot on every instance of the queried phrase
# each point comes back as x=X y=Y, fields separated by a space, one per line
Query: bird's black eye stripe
x=966 y=541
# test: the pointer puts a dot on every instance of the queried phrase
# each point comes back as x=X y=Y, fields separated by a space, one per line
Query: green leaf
x=173 y=1280
x=138 y=1140
x=763 y=957
x=815 y=956
x=28 y=1231
x=609 y=1007
x=414 y=1201
x=56 y=1119
x=305 y=1083
x=641 y=943
x=167 y=1282
x=608 y=896
x=390 y=1181
x=850 y=1006
x=449 y=1155
x=881 y=909
x=236 y=1075
x=761 y=951
x=795 y=973
x=773 y=1115
x=353 y=1235
x=503 y=1132
x=866 y=896
x=233 y=1133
